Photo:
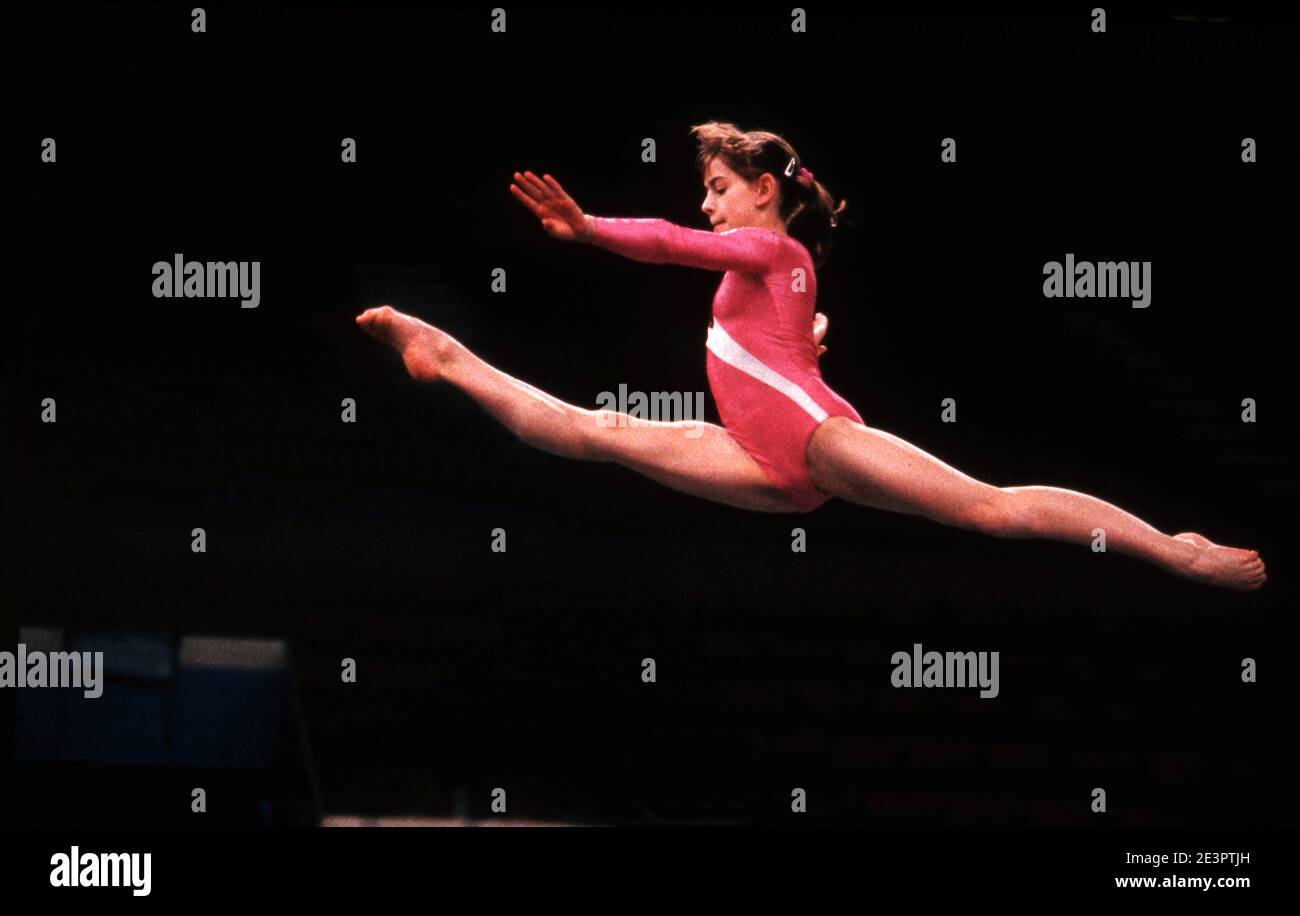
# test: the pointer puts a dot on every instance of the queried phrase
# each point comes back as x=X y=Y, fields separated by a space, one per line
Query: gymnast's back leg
x=694 y=457
x=874 y=468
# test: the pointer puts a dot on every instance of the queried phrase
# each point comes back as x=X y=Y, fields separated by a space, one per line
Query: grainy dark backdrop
x=371 y=540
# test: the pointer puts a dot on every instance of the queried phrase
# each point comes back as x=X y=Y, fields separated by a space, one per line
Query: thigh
x=878 y=469
x=698 y=458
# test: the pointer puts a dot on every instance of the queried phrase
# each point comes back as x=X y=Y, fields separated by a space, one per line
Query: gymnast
x=787 y=442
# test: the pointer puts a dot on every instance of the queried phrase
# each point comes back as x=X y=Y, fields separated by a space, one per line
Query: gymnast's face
x=731 y=202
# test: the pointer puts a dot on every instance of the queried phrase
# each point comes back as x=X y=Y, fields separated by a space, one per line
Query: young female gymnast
x=788 y=442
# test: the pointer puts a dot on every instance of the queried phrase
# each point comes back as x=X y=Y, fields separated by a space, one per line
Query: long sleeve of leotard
x=657 y=241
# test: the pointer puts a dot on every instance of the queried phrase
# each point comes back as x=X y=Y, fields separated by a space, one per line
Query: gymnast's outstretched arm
x=747 y=249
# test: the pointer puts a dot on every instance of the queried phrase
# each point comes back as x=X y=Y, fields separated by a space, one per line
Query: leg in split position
x=874 y=468
x=698 y=458
x=845 y=459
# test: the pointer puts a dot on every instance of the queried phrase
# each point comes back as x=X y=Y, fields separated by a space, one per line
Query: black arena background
x=371 y=540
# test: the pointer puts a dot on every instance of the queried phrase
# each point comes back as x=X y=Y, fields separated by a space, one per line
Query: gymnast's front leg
x=694 y=457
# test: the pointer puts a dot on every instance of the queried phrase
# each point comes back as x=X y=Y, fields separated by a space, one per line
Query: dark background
x=522 y=670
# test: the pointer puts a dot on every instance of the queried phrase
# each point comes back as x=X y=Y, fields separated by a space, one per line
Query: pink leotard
x=762 y=359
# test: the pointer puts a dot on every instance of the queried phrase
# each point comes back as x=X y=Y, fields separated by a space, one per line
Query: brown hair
x=809 y=212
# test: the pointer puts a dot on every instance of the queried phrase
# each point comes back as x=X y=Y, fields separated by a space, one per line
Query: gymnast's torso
x=762 y=358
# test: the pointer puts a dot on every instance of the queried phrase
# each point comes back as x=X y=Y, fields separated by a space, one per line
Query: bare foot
x=424 y=349
x=1215 y=564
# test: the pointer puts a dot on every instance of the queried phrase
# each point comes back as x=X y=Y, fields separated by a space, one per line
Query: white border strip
x=733 y=354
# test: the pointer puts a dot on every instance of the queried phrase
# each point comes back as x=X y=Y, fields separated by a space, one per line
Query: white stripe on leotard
x=733 y=354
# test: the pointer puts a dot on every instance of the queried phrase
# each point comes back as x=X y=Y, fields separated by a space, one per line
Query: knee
x=590 y=432
x=997 y=512
x=574 y=434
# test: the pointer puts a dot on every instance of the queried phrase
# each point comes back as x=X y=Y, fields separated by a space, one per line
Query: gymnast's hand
x=560 y=216
x=820 y=322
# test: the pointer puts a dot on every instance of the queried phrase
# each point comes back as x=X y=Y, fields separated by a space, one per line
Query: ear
x=766 y=190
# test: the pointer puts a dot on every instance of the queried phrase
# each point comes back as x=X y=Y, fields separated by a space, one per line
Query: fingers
x=543 y=191
x=819 y=330
x=529 y=187
x=533 y=185
x=555 y=185
x=527 y=201
x=564 y=200
x=536 y=193
x=373 y=313
x=561 y=200
x=547 y=200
